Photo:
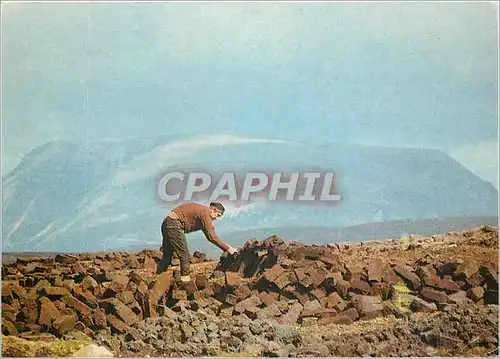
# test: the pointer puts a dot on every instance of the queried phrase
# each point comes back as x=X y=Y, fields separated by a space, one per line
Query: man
x=186 y=218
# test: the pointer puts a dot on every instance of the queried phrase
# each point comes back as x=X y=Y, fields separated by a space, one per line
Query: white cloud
x=178 y=152
x=234 y=210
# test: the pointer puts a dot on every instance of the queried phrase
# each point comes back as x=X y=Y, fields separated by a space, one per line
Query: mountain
x=82 y=197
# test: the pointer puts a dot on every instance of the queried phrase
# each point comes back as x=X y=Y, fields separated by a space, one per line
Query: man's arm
x=209 y=231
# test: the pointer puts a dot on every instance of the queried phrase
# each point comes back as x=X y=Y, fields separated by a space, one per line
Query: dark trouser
x=174 y=239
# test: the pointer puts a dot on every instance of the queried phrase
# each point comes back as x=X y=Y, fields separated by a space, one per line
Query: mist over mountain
x=81 y=197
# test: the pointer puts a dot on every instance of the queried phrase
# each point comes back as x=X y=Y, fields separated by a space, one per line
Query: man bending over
x=186 y=218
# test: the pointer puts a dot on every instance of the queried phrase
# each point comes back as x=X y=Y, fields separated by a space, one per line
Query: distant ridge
x=367 y=231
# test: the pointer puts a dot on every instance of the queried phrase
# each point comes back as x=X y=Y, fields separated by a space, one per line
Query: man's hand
x=232 y=250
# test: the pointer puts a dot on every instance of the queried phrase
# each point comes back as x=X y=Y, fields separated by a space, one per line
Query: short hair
x=218 y=206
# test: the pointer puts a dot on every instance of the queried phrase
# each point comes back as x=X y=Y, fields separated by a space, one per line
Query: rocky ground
x=415 y=296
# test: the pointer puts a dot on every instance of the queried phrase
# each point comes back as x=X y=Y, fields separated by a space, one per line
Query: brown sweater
x=195 y=216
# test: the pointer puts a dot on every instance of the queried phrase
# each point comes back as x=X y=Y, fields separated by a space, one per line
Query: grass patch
x=219 y=280
x=18 y=347
x=487 y=228
x=402 y=297
x=303 y=330
x=405 y=240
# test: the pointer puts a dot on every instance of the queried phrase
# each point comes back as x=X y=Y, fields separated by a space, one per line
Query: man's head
x=216 y=210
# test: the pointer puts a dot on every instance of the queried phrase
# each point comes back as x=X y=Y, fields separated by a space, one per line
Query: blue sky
x=394 y=74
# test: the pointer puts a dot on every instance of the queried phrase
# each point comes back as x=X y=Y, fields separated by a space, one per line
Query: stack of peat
x=312 y=284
